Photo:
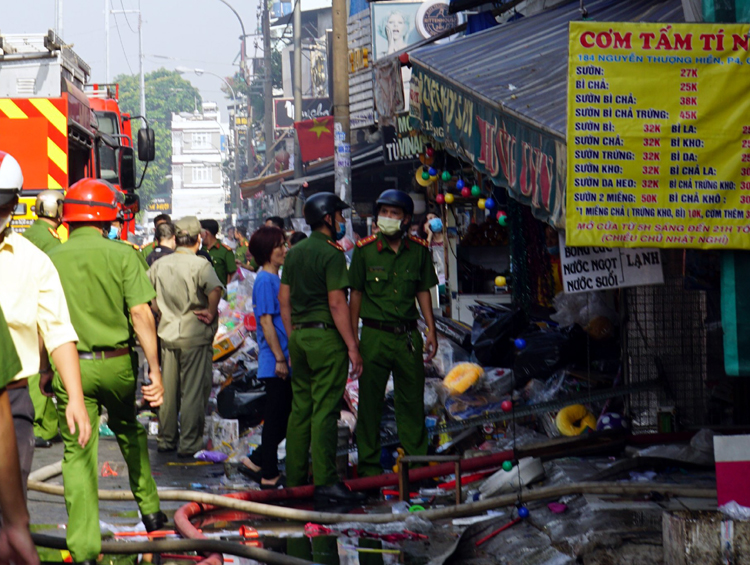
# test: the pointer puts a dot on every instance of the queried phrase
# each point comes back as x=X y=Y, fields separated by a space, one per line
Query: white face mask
x=389 y=226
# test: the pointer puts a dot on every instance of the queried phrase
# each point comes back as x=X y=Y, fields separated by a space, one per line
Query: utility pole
x=267 y=83
x=106 y=41
x=140 y=57
x=59 y=18
x=342 y=148
x=297 y=83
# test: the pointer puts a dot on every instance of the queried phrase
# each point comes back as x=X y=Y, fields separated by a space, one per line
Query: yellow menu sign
x=658 y=135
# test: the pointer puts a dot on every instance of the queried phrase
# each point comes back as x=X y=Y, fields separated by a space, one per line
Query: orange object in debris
x=108 y=471
x=248 y=532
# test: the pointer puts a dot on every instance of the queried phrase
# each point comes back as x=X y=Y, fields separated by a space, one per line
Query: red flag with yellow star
x=315 y=138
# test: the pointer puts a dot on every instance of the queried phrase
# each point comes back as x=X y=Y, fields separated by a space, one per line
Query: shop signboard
x=160 y=205
x=283 y=110
x=659 y=135
x=600 y=268
x=513 y=154
x=401 y=143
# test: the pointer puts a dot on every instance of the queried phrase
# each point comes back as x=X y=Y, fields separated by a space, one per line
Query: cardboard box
x=228 y=344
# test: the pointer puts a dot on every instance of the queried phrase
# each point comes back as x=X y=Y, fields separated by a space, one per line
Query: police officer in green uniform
x=388 y=272
x=321 y=344
x=147 y=249
x=43 y=234
x=221 y=255
x=108 y=294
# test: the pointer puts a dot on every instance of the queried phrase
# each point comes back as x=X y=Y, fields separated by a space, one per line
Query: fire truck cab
x=55 y=131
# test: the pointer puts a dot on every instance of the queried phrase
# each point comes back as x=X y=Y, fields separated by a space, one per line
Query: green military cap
x=189 y=225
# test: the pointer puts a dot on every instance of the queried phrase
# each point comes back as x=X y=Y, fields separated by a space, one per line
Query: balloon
x=449 y=198
x=446 y=176
x=500 y=281
x=520 y=343
x=475 y=190
x=432 y=171
x=425 y=175
x=507 y=466
x=466 y=192
x=523 y=512
x=503 y=220
x=506 y=406
x=482 y=203
x=489 y=204
x=430 y=152
x=440 y=199
x=460 y=184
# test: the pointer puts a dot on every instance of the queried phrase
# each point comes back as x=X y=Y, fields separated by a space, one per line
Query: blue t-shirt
x=266 y=301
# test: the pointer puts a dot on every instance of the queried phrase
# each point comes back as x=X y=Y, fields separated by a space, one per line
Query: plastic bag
x=243 y=400
x=581 y=308
x=448 y=355
x=546 y=352
x=492 y=337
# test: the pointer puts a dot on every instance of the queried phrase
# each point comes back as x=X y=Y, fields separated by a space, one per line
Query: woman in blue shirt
x=268 y=247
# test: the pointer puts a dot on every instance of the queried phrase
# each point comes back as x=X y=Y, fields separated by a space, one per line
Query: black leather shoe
x=41 y=442
x=165 y=449
x=154 y=521
x=338 y=493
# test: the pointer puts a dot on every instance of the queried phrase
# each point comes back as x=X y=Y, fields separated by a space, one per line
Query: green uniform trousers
x=109 y=382
x=319 y=367
x=382 y=353
x=45 y=412
x=186 y=376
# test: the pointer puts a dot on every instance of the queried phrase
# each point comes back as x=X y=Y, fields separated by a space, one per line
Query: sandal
x=280 y=483
x=250 y=474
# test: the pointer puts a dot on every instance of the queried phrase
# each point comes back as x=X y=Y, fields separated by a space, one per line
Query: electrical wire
x=127 y=20
x=124 y=52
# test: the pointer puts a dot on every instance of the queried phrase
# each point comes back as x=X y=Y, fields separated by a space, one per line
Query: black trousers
x=278 y=408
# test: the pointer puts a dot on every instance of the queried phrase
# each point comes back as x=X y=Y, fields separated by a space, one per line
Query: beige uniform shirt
x=33 y=301
x=183 y=282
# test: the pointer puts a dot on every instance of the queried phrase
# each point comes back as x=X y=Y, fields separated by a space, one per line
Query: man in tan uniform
x=187 y=300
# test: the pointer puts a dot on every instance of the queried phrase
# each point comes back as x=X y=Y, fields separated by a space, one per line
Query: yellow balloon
x=480 y=203
x=500 y=281
x=449 y=198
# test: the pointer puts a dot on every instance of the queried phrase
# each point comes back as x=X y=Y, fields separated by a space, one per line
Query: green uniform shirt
x=148 y=249
x=183 y=282
x=134 y=247
x=389 y=282
x=102 y=280
x=11 y=364
x=43 y=235
x=240 y=254
x=313 y=268
x=223 y=258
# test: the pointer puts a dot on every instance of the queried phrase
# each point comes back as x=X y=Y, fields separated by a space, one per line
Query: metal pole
x=140 y=57
x=342 y=148
x=106 y=40
x=297 y=83
x=59 y=15
x=267 y=84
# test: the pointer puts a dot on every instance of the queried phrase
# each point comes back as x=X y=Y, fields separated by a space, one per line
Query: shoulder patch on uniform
x=225 y=246
x=336 y=245
x=133 y=245
x=54 y=233
x=367 y=240
x=419 y=240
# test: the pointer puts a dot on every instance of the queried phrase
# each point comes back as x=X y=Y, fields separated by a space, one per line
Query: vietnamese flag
x=315 y=138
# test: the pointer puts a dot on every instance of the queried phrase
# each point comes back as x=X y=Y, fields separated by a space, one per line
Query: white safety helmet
x=11 y=178
x=49 y=204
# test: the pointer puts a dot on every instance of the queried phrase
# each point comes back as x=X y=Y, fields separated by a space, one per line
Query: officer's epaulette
x=367 y=240
x=54 y=233
x=225 y=246
x=419 y=240
x=133 y=245
x=336 y=245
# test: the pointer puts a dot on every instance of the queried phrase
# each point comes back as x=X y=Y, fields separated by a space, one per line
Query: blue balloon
x=520 y=343
x=432 y=171
x=489 y=203
x=459 y=184
x=523 y=512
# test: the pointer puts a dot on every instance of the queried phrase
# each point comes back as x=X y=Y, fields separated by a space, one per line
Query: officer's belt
x=313 y=326
x=392 y=328
x=104 y=354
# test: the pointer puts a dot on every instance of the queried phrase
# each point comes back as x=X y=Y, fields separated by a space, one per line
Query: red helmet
x=90 y=200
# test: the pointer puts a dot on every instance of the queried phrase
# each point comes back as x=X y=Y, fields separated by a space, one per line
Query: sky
x=200 y=34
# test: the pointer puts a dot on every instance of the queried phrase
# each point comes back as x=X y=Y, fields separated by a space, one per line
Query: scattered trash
x=108 y=471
